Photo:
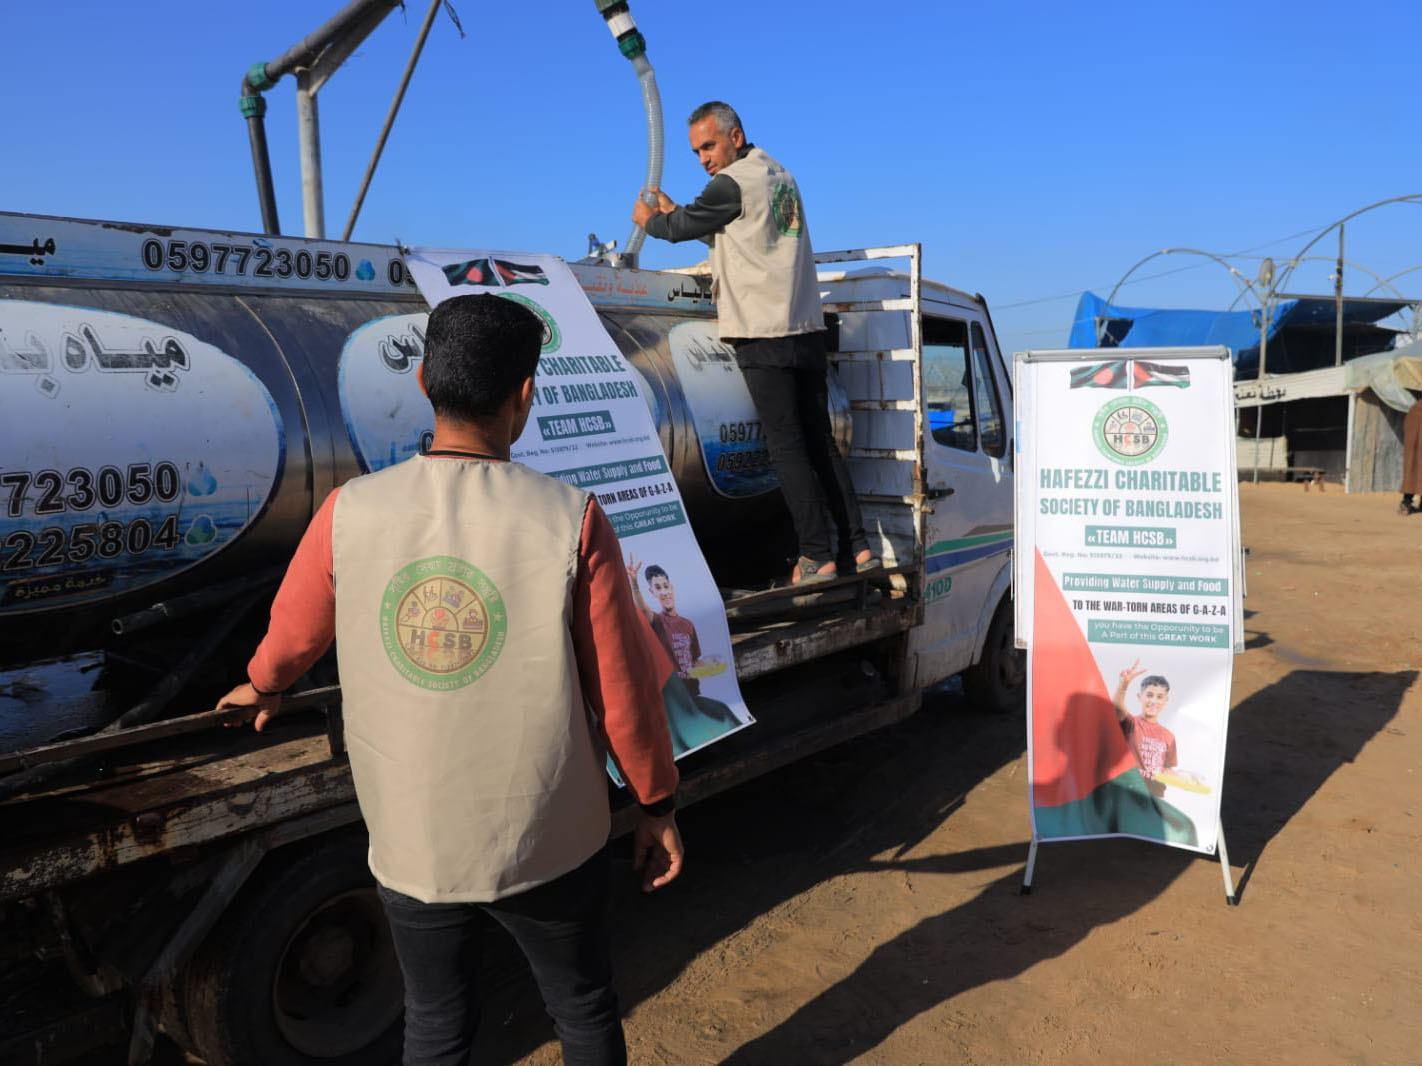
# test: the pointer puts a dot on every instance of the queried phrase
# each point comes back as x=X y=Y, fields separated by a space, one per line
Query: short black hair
x=724 y=114
x=655 y=571
x=1154 y=679
x=478 y=350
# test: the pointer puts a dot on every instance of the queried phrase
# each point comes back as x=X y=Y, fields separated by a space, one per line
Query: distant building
x=1312 y=415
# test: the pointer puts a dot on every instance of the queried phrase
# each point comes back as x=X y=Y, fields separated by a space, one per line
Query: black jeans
x=563 y=929
x=786 y=378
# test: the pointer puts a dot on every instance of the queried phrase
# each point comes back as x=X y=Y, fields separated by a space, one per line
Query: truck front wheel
x=301 y=970
x=998 y=680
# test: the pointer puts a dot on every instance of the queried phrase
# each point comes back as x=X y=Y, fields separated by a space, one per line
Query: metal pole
x=1348 y=446
x=1338 y=305
x=1026 y=889
x=1263 y=360
x=308 y=129
x=1230 y=897
x=390 y=118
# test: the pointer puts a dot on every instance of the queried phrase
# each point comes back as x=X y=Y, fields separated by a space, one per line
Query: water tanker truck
x=178 y=402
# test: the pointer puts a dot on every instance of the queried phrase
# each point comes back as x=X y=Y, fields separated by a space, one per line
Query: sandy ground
x=863 y=906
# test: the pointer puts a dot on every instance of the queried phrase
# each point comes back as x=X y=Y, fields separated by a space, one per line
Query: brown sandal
x=807 y=571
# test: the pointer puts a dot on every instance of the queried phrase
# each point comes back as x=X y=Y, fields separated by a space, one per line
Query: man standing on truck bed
x=481 y=611
x=768 y=305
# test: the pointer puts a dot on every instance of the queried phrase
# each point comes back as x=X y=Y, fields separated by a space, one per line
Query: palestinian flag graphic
x=472 y=272
x=519 y=273
x=1147 y=375
x=1110 y=375
x=1085 y=779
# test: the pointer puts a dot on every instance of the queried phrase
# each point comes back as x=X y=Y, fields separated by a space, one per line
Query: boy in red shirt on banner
x=1152 y=743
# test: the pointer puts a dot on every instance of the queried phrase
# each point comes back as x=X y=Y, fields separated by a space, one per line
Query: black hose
x=254 y=107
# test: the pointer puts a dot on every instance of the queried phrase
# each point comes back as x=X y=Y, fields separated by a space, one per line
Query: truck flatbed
x=184 y=791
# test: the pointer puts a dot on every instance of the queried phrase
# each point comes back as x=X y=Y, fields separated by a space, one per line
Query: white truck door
x=968 y=534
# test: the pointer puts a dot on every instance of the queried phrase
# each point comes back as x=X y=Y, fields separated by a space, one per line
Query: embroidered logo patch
x=785 y=206
x=443 y=623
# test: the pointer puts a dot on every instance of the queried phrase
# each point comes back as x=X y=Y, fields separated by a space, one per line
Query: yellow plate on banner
x=1189 y=782
x=707 y=668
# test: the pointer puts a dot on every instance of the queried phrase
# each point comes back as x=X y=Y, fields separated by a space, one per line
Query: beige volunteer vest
x=473 y=757
x=762 y=262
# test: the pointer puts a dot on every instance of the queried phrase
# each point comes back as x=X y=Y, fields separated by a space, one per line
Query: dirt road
x=863 y=906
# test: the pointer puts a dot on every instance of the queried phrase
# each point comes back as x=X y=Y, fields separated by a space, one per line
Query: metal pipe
x=308 y=131
x=1413 y=198
x=254 y=107
x=1239 y=279
x=1338 y=303
x=390 y=117
x=304 y=51
x=182 y=606
x=262 y=76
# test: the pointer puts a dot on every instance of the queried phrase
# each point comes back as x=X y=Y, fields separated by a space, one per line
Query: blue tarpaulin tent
x=1102 y=325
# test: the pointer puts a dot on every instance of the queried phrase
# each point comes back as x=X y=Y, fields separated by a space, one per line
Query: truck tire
x=998 y=680
x=301 y=970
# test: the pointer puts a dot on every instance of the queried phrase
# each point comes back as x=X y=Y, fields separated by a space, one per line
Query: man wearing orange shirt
x=490 y=653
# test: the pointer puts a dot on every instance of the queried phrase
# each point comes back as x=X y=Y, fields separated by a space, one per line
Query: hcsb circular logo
x=1130 y=430
x=552 y=335
x=443 y=623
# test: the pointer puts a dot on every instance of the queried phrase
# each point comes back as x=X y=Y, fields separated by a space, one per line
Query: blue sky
x=1034 y=149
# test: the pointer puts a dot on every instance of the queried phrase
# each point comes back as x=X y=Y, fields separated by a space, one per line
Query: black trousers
x=562 y=927
x=786 y=378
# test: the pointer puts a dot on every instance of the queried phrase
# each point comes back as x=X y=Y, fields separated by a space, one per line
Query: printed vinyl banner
x=1128 y=589
x=590 y=427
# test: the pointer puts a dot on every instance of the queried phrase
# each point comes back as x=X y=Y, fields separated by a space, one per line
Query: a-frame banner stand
x=1127 y=589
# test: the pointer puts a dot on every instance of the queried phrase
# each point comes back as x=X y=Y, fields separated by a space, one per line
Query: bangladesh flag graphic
x=1145 y=375
x=472 y=272
x=1085 y=779
x=1110 y=375
x=519 y=273
x=1129 y=374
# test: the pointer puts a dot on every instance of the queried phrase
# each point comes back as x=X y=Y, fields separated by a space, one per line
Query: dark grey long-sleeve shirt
x=718 y=204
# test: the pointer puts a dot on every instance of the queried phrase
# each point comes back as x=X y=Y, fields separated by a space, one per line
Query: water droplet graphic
x=202 y=483
x=202 y=531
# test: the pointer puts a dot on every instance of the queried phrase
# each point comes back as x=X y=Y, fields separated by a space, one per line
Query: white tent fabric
x=1389 y=375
